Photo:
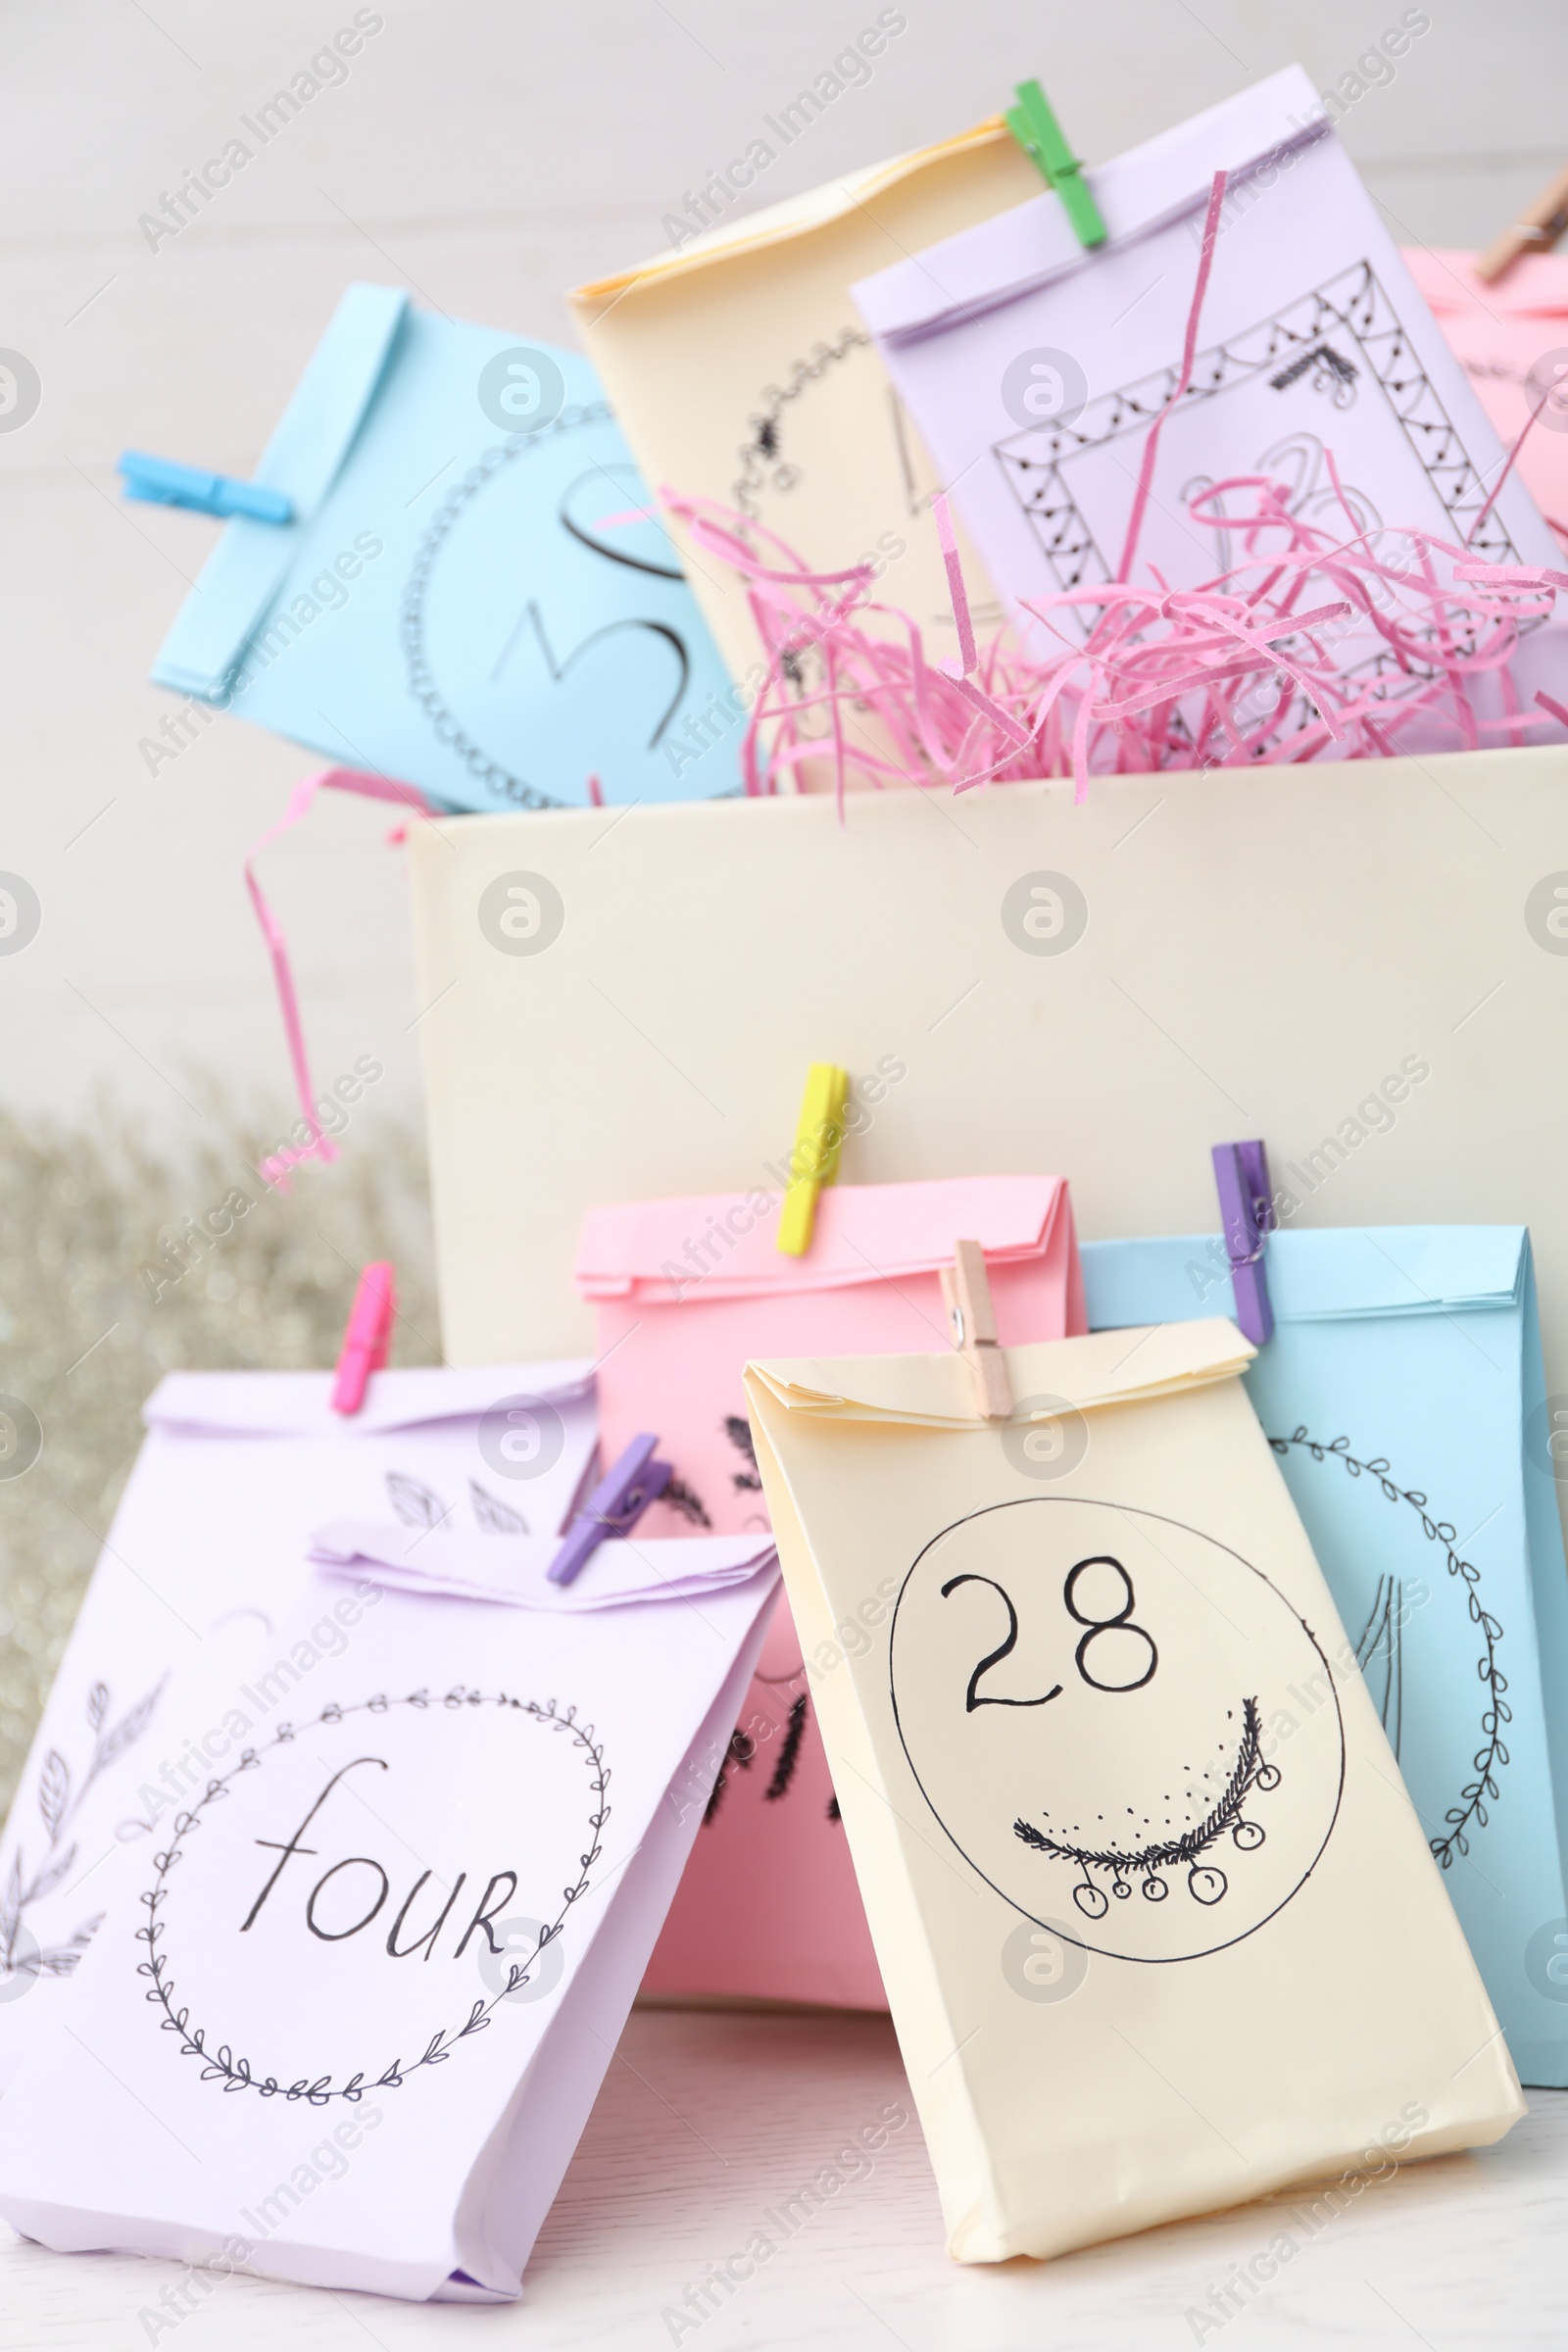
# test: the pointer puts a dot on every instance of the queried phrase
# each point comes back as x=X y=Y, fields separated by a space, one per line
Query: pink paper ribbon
x=275 y=1169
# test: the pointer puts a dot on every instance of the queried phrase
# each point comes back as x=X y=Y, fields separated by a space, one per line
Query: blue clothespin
x=614 y=1508
x=1247 y=1212
x=166 y=484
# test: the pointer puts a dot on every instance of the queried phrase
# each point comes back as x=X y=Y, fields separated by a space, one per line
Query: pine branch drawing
x=789 y=1752
x=681 y=1498
x=738 y=1430
x=1225 y=1817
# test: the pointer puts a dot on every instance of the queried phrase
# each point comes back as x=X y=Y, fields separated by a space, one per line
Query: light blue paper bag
x=470 y=596
x=1403 y=1394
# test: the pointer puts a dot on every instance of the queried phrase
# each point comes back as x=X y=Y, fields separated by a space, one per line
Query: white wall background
x=486 y=156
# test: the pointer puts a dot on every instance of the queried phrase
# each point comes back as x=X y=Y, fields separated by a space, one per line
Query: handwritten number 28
x=1098 y=1624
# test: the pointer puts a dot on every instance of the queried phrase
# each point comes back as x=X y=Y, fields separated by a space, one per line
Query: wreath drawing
x=225 y=2065
x=1205 y=1882
x=1470 y=1811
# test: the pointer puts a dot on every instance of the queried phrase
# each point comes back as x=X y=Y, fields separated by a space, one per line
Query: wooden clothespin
x=1247 y=1212
x=1038 y=134
x=814 y=1161
x=1536 y=230
x=966 y=1294
x=367 y=1338
x=614 y=1508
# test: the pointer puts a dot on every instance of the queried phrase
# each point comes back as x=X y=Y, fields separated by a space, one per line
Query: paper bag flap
x=515 y=1569
x=1324 y=1276
x=1034 y=243
x=296 y=1404
x=723 y=1245
x=775 y=223
x=303 y=458
x=1535 y=285
x=937 y=1391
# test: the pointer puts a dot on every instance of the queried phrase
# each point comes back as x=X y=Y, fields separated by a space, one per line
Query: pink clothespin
x=614 y=1508
x=367 y=1338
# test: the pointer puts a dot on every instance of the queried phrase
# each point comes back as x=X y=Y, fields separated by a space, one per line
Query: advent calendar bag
x=236 y=1472
x=356 y=1984
x=1034 y=369
x=1144 y=1958
x=469 y=592
x=683 y=1292
x=1404 y=1397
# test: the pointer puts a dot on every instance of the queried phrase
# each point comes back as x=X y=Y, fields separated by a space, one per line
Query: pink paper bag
x=1512 y=339
x=685 y=1292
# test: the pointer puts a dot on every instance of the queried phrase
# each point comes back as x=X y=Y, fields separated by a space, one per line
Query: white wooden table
x=706 y=2124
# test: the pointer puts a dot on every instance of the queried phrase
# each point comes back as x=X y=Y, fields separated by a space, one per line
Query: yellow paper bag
x=1159 y=1927
x=740 y=370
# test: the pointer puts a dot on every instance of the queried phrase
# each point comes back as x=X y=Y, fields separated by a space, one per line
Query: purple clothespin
x=1247 y=1212
x=614 y=1508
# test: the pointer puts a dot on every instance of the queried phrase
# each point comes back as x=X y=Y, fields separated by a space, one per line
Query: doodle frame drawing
x=1064 y=533
x=1164 y=1519
x=234 y=2071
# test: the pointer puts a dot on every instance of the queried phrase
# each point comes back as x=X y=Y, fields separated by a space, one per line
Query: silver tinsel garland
x=102 y=1290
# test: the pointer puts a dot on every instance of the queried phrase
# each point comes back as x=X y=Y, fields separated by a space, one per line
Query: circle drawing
x=1084 y=1691
x=345 y=1910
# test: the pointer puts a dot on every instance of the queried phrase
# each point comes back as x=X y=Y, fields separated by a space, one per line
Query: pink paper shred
x=1318 y=637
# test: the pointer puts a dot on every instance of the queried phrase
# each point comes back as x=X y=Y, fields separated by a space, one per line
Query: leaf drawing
x=10 y=1910
x=415 y=1504
x=54 y=1793
x=97 y=1705
x=49 y=1877
x=124 y=1734
x=493 y=1517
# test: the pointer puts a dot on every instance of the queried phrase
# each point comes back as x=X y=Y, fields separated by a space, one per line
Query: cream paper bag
x=739 y=370
x=1159 y=1925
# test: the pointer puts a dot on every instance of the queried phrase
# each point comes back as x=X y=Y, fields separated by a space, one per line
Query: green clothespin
x=1038 y=134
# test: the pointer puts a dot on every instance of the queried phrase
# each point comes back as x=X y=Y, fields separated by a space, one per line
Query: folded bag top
x=298 y=1404
x=936 y=1392
x=723 y=1245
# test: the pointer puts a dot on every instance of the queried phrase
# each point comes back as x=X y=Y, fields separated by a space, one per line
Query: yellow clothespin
x=966 y=1292
x=814 y=1161
x=1536 y=230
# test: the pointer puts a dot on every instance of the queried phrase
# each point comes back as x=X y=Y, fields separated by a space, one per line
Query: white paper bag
x=1035 y=370
x=358 y=1981
x=211 y=1528
x=1146 y=1955
x=1109 y=989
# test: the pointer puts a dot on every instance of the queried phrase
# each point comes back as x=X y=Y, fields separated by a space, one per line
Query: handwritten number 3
x=1120 y=1620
